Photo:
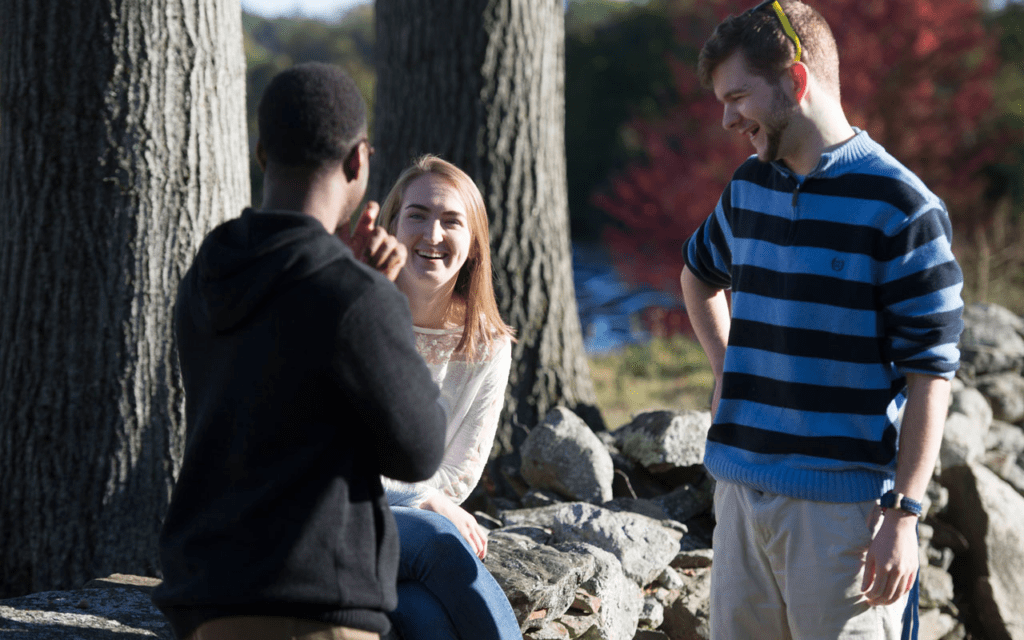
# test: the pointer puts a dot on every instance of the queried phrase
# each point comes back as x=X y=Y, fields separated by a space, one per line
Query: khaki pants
x=276 y=628
x=787 y=568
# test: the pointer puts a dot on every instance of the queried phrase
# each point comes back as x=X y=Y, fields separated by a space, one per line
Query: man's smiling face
x=754 y=107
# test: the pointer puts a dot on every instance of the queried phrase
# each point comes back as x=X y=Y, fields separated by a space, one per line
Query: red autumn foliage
x=916 y=74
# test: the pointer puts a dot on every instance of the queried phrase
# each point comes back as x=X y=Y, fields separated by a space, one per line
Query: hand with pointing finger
x=373 y=245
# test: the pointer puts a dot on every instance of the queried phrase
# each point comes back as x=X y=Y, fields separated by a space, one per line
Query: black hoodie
x=302 y=386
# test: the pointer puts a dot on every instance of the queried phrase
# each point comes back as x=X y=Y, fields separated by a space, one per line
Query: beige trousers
x=787 y=568
x=275 y=628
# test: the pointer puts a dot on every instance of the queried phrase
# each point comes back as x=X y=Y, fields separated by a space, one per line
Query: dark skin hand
x=374 y=245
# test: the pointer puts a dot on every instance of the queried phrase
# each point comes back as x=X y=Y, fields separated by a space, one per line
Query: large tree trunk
x=122 y=143
x=481 y=83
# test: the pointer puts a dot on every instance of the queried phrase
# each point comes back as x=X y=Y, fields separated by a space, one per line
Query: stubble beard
x=776 y=124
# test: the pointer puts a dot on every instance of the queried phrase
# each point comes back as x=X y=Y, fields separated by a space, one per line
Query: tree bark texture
x=481 y=83
x=122 y=143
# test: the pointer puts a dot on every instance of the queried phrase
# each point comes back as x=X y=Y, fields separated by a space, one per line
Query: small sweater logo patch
x=838 y=264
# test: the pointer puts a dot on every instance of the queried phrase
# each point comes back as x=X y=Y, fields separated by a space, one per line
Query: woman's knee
x=419 y=612
x=430 y=533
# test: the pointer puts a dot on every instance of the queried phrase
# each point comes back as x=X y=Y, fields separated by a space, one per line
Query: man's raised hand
x=374 y=245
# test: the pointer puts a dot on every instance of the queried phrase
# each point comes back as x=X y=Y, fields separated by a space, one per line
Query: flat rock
x=540 y=582
x=110 y=608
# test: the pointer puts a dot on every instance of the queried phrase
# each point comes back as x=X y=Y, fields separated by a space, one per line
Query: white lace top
x=472 y=394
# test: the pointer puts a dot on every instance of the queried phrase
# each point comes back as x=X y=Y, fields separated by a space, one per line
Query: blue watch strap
x=894 y=500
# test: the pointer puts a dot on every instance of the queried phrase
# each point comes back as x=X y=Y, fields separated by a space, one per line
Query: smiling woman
x=444 y=591
x=433 y=225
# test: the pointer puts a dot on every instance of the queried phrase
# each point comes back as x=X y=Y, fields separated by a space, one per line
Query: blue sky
x=312 y=8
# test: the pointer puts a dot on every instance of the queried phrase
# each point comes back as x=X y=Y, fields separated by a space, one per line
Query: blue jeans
x=444 y=591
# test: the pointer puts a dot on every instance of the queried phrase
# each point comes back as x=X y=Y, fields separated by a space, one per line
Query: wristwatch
x=893 y=500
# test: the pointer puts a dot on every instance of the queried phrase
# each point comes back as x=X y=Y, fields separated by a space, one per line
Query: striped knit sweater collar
x=838 y=160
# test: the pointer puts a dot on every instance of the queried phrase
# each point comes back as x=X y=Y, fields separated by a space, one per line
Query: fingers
x=889 y=586
x=359 y=240
x=884 y=590
x=368 y=218
x=477 y=538
x=385 y=253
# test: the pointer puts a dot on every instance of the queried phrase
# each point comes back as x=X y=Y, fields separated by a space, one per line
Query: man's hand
x=467 y=525
x=892 y=561
x=374 y=245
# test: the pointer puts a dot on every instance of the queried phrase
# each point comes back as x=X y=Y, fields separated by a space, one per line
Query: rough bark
x=481 y=83
x=123 y=142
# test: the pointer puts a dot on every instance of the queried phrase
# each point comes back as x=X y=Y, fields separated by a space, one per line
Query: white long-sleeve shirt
x=472 y=394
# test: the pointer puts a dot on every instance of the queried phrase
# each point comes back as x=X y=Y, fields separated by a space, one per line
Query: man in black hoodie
x=303 y=386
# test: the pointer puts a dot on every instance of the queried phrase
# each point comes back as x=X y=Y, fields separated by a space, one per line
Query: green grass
x=665 y=373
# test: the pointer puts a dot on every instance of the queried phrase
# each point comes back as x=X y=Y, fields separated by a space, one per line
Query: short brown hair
x=766 y=48
x=482 y=323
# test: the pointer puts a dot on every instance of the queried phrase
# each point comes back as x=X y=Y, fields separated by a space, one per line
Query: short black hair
x=311 y=115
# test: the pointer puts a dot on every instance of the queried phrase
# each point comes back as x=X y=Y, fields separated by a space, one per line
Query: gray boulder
x=563 y=455
x=688 y=617
x=936 y=625
x=962 y=441
x=1005 y=392
x=539 y=581
x=665 y=440
x=1005 y=453
x=990 y=516
x=621 y=600
x=936 y=587
x=641 y=544
x=670 y=579
x=652 y=614
x=992 y=340
x=1003 y=436
x=689 y=500
x=972 y=403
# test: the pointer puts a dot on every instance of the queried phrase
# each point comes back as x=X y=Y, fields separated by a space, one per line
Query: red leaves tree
x=917 y=74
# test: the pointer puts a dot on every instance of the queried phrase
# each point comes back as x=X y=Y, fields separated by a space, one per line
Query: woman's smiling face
x=433 y=225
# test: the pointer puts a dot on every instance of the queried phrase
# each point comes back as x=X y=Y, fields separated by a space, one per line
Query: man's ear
x=353 y=163
x=261 y=155
x=798 y=72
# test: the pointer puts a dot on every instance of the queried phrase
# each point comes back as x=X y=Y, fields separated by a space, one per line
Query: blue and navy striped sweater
x=842 y=283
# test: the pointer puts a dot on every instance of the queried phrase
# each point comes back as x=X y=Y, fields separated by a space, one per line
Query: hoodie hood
x=245 y=261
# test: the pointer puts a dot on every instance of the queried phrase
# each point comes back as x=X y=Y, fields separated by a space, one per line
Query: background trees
x=122 y=143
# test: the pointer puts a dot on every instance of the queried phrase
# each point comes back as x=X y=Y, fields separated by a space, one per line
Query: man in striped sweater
x=833 y=364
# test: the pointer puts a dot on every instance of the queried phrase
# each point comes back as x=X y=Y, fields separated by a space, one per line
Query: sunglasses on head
x=786 y=26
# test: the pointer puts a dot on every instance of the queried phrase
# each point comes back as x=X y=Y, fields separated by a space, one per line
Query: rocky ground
x=608 y=536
